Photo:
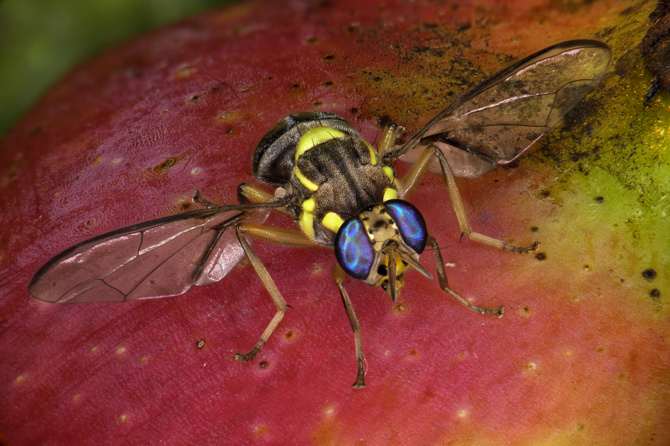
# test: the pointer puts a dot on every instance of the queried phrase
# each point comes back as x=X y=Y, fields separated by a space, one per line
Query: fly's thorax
x=381 y=243
x=335 y=177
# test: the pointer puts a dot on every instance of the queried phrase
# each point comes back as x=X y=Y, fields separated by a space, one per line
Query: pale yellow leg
x=412 y=179
x=339 y=276
x=442 y=280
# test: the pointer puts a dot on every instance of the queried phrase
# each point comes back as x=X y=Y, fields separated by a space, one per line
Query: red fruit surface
x=580 y=356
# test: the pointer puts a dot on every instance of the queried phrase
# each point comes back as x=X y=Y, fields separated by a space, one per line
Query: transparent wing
x=501 y=118
x=154 y=259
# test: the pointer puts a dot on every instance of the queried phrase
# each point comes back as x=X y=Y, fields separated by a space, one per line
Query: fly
x=343 y=194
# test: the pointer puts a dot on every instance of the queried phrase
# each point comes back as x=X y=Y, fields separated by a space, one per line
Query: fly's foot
x=520 y=249
x=249 y=356
x=496 y=312
x=359 y=384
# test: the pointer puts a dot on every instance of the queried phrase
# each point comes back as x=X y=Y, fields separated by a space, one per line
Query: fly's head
x=381 y=243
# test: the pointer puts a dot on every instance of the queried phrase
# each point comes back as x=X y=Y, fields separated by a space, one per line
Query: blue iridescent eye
x=410 y=223
x=353 y=249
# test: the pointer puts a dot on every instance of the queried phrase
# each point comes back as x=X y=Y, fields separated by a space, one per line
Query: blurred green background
x=41 y=40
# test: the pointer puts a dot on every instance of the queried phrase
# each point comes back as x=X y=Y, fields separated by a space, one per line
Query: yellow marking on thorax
x=314 y=137
x=374 y=159
x=390 y=194
x=311 y=185
x=306 y=219
x=332 y=221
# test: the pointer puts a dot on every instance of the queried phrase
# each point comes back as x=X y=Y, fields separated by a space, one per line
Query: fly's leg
x=411 y=180
x=389 y=137
x=281 y=236
x=247 y=193
x=339 y=276
x=442 y=280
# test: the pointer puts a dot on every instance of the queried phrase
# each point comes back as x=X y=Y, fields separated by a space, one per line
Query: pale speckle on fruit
x=123 y=418
x=531 y=368
x=116 y=161
x=329 y=410
x=76 y=397
x=120 y=350
x=196 y=171
x=94 y=349
x=462 y=413
x=19 y=380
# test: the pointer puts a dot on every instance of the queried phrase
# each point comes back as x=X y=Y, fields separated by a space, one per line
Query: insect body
x=342 y=192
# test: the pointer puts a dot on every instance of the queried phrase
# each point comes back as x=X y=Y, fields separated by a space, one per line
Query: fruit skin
x=580 y=356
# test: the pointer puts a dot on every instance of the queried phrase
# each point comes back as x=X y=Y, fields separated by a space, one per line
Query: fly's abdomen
x=274 y=156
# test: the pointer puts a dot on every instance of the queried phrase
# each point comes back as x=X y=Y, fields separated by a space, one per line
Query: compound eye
x=410 y=222
x=353 y=249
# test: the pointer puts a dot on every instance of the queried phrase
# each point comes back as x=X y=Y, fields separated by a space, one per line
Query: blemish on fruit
x=462 y=413
x=230 y=132
x=96 y=160
x=400 y=308
x=649 y=274
x=166 y=165
x=525 y=310
x=245 y=89
x=123 y=418
x=185 y=72
x=586 y=268
x=225 y=116
x=311 y=40
x=85 y=225
x=462 y=355
x=600 y=350
x=264 y=364
x=545 y=193
x=261 y=430
x=289 y=335
x=143 y=359
x=541 y=256
x=599 y=199
x=116 y=161
x=328 y=84
x=195 y=98
x=655 y=293
x=94 y=349
x=200 y=344
x=76 y=398
x=534 y=229
x=316 y=269
x=317 y=103
x=414 y=353
x=567 y=352
x=196 y=171
x=329 y=57
x=19 y=380
x=329 y=411
x=120 y=350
